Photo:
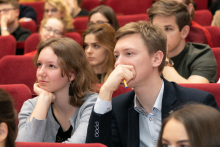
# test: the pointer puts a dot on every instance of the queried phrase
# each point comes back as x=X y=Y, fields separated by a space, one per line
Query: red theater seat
x=216 y=52
x=215 y=35
x=127 y=7
x=80 y=23
x=17 y=70
x=30 y=25
x=19 y=92
x=124 y=19
x=203 y=17
x=7 y=45
x=90 y=4
x=34 y=144
x=212 y=88
x=201 y=4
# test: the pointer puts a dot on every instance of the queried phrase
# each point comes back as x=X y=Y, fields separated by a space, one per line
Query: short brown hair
x=108 y=12
x=202 y=124
x=79 y=2
x=154 y=37
x=105 y=35
x=169 y=8
x=8 y=116
x=14 y=3
x=72 y=58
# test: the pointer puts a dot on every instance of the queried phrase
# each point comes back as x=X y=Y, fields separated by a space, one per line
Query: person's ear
x=3 y=131
x=185 y=31
x=190 y=7
x=72 y=77
x=157 y=58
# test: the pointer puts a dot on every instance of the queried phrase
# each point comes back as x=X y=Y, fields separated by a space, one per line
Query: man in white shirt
x=134 y=118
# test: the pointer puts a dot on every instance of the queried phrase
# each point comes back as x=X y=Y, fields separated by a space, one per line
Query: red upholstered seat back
x=35 y=144
x=203 y=17
x=216 y=52
x=7 y=45
x=30 y=25
x=75 y=36
x=129 y=6
x=201 y=4
x=124 y=19
x=215 y=35
x=80 y=23
x=17 y=70
x=90 y=4
x=19 y=92
x=212 y=88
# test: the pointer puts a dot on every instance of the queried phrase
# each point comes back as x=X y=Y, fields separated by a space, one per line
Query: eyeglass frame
x=56 y=32
x=98 y=22
x=7 y=10
x=52 y=10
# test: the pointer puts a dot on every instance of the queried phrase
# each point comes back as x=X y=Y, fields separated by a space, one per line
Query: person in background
x=216 y=19
x=58 y=9
x=8 y=126
x=215 y=6
x=99 y=44
x=194 y=125
x=61 y=111
x=103 y=14
x=9 y=12
x=27 y=13
x=75 y=9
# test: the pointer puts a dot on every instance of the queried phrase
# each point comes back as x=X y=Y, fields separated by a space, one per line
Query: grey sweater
x=45 y=130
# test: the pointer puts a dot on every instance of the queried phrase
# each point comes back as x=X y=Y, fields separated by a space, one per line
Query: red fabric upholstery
x=130 y=6
x=38 y=7
x=124 y=19
x=7 y=45
x=31 y=43
x=215 y=35
x=19 y=92
x=80 y=23
x=17 y=70
x=211 y=88
x=90 y=4
x=201 y=4
x=216 y=52
x=30 y=25
x=75 y=36
x=35 y=144
x=203 y=17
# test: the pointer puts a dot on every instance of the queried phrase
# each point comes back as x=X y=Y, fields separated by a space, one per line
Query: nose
x=52 y=34
x=119 y=61
x=41 y=71
x=89 y=50
x=49 y=13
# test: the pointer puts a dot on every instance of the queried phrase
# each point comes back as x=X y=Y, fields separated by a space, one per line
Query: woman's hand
x=43 y=93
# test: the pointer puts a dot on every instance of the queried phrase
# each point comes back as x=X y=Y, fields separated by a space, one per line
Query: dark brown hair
x=154 y=37
x=8 y=116
x=14 y=3
x=108 y=12
x=72 y=59
x=169 y=8
x=105 y=36
x=202 y=124
x=187 y=2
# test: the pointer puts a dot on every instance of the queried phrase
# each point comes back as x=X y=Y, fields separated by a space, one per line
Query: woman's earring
x=71 y=90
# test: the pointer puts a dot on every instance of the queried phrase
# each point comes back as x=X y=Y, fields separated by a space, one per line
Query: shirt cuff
x=102 y=107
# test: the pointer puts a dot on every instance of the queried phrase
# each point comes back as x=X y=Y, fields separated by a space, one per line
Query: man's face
x=9 y=13
x=131 y=50
x=172 y=31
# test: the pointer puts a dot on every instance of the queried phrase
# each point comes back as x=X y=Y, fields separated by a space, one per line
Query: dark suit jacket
x=120 y=127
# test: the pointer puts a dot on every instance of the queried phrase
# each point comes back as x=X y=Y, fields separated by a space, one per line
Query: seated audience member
x=99 y=44
x=216 y=19
x=192 y=126
x=193 y=62
x=8 y=126
x=62 y=109
x=75 y=9
x=103 y=14
x=9 y=20
x=197 y=33
x=50 y=28
x=134 y=118
x=215 y=6
x=58 y=9
x=27 y=13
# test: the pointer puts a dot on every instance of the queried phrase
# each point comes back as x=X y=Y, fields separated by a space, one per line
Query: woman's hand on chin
x=43 y=93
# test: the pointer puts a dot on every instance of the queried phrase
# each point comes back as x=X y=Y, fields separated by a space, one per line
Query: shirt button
x=150 y=118
x=155 y=142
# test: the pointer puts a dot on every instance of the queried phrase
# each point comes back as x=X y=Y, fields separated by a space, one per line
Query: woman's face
x=52 y=29
x=175 y=135
x=95 y=53
x=97 y=18
x=51 y=11
x=49 y=72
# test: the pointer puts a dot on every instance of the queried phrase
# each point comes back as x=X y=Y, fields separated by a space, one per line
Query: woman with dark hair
x=103 y=14
x=194 y=125
x=8 y=126
x=61 y=111
x=99 y=44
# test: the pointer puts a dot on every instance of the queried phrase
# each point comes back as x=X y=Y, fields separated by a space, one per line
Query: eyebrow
x=182 y=141
x=168 y=26
x=126 y=49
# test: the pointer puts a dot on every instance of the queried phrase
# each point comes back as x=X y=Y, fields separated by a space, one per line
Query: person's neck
x=2 y=144
x=148 y=93
x=178 y=49
x=76 y=11
x=13 y=26
x=98 y=69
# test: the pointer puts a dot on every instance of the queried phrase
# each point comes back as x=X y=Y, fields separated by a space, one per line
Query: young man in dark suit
x=134 y=119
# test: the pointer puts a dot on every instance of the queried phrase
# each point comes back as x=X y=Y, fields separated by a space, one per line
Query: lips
x=91 y=58
x=42 y=82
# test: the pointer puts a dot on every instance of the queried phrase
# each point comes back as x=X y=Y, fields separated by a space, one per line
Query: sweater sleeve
x=30 y=131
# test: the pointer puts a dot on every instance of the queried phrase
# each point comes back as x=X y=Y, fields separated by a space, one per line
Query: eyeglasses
x=52 y=10
x=6 y=10
x=56 y=32
x=98 y=22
